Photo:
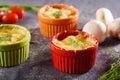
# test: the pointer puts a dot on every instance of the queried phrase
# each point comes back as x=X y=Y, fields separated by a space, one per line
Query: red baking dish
x=73 y=61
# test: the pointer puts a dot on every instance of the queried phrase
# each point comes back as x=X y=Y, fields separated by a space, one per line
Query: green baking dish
x=14 y=53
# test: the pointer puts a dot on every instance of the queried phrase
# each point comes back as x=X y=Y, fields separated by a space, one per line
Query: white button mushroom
x=97 y=28
x=104 y=15
x=114 y=28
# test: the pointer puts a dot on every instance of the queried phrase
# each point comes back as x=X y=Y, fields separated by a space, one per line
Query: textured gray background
x=39 y=64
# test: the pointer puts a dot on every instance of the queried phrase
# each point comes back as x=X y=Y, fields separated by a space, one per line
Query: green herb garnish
x=6 y=37
x=33 y=8
x=26 y=7
x=110 y=50
x=114 y=72
x=57 y=14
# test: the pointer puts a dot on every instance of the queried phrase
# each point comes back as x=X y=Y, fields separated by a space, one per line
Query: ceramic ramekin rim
x=88 y=48
x=41 y=10
x=18 y=42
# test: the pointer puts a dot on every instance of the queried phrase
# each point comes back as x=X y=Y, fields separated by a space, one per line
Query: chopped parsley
x=6 y=37
x=57 y=14
x=114 y=72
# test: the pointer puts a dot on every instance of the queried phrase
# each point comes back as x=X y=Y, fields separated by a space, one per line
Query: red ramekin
x=73 y=61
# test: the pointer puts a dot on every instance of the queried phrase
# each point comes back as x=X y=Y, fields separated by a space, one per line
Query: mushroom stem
x=104 y=15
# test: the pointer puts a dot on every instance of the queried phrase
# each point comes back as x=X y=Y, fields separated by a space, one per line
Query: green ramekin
x=16 y=53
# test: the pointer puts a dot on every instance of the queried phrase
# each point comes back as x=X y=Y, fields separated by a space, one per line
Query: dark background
x=39 y=64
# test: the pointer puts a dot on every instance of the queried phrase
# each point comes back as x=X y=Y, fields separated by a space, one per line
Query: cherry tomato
x=10 y=18
x=1 y=15
x=19 y=11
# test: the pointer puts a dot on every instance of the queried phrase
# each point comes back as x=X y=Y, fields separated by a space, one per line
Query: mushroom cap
x=96 y=28
x=114 y=28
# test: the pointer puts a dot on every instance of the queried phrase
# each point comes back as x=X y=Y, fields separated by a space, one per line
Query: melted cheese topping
x=16 y=34
x=77 y=42
x=58 y=13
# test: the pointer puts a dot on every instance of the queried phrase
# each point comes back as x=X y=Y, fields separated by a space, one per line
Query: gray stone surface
x=39 y=64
